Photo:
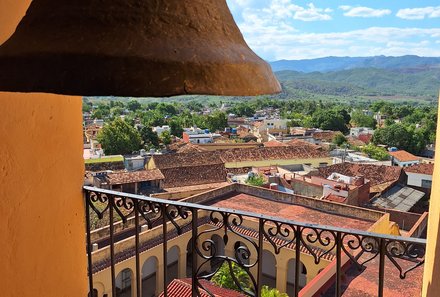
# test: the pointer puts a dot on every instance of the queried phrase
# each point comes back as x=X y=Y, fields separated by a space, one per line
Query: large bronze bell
x=133 y=48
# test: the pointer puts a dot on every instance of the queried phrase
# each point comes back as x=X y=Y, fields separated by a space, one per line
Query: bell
x=132 y=48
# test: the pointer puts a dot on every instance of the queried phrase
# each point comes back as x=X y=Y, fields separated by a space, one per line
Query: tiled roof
x=324 y=135
x=364 y=283
x=270 y=153
x=303 y=143
x=274 y=143
x=421 y=168
x=404 y=156
x=120 y=178
x=295 y=212
x=194 y=175
x=190 y=148
x=375 y=173
x=355 y=141
x=183 y=287
x=186 y=160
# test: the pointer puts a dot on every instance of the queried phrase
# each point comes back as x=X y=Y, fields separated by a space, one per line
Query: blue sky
x=289 y=29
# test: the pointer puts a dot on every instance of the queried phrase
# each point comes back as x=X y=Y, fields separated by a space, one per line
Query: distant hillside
x=345 y=63
x=418 y=83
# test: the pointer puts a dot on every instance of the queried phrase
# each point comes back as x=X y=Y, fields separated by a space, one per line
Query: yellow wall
x=41 y=210
x=431 y=283
x=41 y=173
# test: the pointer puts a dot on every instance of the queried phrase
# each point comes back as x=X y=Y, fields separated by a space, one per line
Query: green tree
x=359 y=119
x=375 y=152
x=118 y=137
x=176 y=128
x=133 y=105
x=256 y=180
x=395 y=135
x=339 y=139
x=223 y=278
x=270 y=292
x=149 y=138
x=329 y=120
x=216 y=121
x=166 y=137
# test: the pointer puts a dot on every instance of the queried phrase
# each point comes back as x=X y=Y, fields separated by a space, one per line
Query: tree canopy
x=119 y=137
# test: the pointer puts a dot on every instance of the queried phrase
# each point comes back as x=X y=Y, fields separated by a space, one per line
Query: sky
x=295 y=29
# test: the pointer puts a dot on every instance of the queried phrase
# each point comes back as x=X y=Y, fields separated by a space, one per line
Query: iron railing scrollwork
x=252 y=234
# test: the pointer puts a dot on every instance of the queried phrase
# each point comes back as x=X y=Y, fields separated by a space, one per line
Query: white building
x=355 y=132
x=403 y=158
x=159 y=130
x=420 y=175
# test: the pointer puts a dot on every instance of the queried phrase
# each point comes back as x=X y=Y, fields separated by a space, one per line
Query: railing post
x=111 y=201
x=381 y=266
x=136 y=223
x=194 y=252
x=165 y=249
x=89 y=243
x=338 y=264
x=298 y=232
x=260 y=257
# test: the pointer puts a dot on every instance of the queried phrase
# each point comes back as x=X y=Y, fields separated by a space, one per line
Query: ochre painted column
x=431 y=276
x=281 y=278
x=182 y=263
x=42 y=228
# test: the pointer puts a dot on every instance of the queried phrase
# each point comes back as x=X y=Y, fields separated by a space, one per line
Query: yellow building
x=277 y=259
x=42 y=205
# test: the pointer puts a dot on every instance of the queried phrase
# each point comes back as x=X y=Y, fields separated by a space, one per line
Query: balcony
x=137 y=245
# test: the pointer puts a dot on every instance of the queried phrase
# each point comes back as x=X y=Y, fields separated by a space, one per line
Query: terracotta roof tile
x=404 y=156
x=194 y=175
x=271 y=153
x=325 y=135
x=190 y=148
x=120 y=178
x=274 y=143
x=375 y=173
x=421 y=168
x=183 y=287
x=186 y=160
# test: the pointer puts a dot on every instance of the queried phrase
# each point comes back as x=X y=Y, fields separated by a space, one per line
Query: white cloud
x=286 y=8
x=364 y=12
x=391 y=41
x=419 y=13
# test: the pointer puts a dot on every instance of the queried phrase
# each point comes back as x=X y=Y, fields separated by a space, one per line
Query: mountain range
x=328 y=64
x=406 y=77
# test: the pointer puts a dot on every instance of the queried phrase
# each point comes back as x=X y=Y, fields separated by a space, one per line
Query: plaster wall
x=41 y=210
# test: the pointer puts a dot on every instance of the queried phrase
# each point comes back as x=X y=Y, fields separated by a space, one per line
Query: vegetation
x=104 y=160
x=269 y=292
x=256 y=180
x=339 y=139
x=375 y=152
x=223 y=278
x=359 y=119
x=119 y=137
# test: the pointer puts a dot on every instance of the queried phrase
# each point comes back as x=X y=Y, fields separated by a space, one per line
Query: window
x=426 y=183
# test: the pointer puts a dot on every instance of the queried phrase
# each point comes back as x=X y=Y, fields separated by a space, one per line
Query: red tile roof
x=404 y=156
x=375 y=173
x=194 y=175
x=271 y=153
x=303 y=143
x=186 y=160
x=274 y=143
x=190 y=148
x=183 y=288
x=364 y=283
x=325 y=135
x=120 y=178
x=245 y=202
x=421 y=168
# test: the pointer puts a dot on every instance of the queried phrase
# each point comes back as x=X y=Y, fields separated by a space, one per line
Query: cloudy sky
x=296 y=29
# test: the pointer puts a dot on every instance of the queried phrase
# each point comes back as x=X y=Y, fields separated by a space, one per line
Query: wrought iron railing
x=353 y=246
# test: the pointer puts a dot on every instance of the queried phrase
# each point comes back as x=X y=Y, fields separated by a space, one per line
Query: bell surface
x=132 y=48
